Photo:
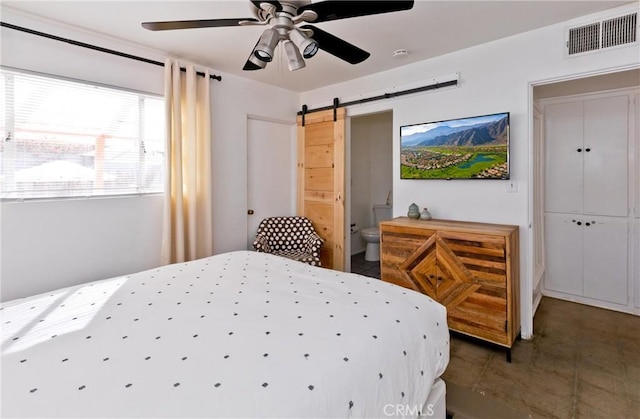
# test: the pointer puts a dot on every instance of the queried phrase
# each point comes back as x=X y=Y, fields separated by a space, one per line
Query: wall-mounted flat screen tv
x=463 y=148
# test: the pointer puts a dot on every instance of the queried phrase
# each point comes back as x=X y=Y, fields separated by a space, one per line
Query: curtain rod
x=336 y=103
x=96 y=48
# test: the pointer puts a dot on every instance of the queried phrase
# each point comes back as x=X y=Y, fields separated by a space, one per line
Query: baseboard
x=592 y=302
x=536 y=303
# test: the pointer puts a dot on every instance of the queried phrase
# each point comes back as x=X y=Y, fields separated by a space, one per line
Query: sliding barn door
x=321 y=180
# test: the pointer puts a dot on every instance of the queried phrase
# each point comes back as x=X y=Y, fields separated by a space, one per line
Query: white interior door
x=271 y=172
x=606 y=133
x=564 y=157
x=564 y=258
x=605 y=259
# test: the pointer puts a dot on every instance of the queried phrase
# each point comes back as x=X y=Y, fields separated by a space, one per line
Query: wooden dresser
x=471 y=268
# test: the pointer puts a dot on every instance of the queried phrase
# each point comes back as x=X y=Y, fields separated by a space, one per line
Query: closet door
x=563 y=157
x=636 y=263
x=606 y=133
x=564 y=256
x=636 y=222
x=605 y=259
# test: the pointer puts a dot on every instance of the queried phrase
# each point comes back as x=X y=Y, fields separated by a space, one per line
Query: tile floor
x=583 y=362
x=362 y=267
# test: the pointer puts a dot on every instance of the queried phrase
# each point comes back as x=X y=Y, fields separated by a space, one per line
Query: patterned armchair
x=290 y=237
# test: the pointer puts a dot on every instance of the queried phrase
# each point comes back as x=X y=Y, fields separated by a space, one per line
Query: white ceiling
x=430 y=29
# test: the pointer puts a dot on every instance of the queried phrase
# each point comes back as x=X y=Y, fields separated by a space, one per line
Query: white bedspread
x=241 y=334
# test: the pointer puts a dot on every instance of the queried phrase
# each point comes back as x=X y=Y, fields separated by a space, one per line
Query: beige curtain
x=187 y=224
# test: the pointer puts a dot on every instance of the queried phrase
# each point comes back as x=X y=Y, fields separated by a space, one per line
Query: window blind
x=64 y=138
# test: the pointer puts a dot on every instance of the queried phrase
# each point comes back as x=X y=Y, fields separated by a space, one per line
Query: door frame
x=292 y=126
x=527 y=303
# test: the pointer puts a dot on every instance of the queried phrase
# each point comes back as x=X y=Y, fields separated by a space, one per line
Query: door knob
x=250 y=212
x=579 y=223
x=579 y=150
x=587 y=150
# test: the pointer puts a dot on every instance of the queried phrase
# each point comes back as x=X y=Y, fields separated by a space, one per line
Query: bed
x=241 y=334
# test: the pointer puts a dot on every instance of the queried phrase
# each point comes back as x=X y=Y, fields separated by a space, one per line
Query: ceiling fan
x=284 y=19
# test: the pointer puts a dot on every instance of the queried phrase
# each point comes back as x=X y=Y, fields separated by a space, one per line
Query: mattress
x=240 y=334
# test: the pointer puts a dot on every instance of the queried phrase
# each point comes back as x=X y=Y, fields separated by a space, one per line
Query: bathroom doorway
x=370 y=160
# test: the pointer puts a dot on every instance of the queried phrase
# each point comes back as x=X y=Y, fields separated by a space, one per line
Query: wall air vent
x=618 y=31
x=584 y=38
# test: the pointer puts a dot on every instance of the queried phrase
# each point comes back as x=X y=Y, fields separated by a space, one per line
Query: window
x=64 y=138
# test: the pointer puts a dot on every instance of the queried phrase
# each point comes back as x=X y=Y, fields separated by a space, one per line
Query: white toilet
x=371 y=235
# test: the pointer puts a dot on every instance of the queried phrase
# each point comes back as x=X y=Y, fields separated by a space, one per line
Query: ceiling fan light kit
x=298 y=43
x=293 y=56
x=266 y=45
x=307 y=45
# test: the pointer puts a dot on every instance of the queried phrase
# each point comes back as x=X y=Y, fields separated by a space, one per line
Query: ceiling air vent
x=621 y=30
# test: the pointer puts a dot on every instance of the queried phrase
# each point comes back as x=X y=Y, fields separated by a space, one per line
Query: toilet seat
x=371 y=233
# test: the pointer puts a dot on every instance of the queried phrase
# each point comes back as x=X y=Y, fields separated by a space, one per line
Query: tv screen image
x=465 y=148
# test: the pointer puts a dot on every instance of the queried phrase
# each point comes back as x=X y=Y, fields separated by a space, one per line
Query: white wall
x=494 y=77
x=50 y=244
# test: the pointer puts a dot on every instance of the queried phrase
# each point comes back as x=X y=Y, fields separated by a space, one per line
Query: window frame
x=9 y=124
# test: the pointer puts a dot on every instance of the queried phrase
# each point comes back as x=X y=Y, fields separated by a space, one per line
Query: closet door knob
x=587 y=150
x=579 y=150
x=579 y=223
x=587 y=224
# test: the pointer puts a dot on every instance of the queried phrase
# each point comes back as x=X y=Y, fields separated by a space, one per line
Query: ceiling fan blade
x=337 y=9
x=192 y=24
x=249 y=66
x=338 y=47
